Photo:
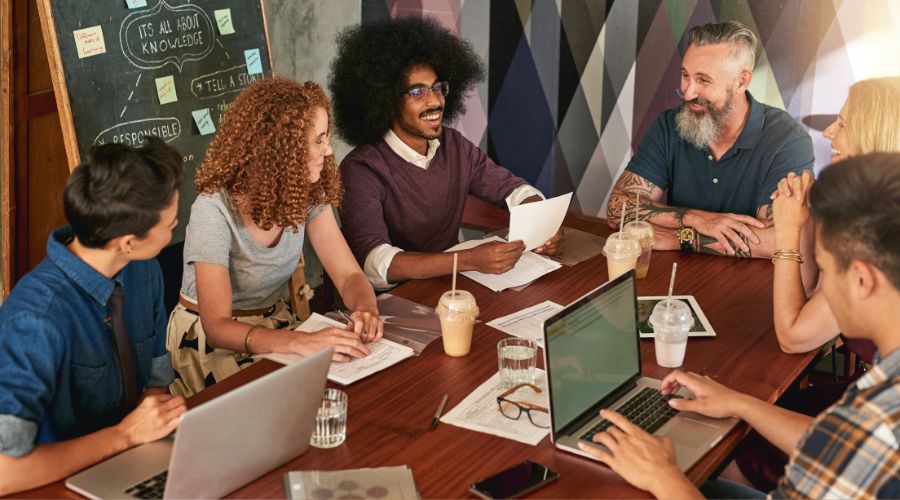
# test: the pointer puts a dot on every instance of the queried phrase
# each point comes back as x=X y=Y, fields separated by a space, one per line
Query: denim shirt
x=59 y=372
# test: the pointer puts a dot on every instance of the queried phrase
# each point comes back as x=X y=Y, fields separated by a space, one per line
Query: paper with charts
x=535 y=223
x=480 y=412
x=382 y=354
x=380 y=482
x=530 y=267
x=527 y=323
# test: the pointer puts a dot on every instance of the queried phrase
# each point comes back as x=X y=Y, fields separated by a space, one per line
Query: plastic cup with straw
x=621 y=249
x=644 y=231
x=457 y=311
x=671 y=321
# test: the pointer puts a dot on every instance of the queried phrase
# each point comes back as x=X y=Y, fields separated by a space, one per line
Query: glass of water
x=331 y=420
x=517 y=359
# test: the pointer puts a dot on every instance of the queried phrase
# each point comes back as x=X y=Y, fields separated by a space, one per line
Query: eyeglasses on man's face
x=511 y=409
x=419 y=92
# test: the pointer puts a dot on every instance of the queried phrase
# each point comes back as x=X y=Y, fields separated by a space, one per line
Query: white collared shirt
x=379 y=259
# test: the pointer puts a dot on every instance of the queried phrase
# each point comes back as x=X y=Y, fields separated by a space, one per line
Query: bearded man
x=705 y=170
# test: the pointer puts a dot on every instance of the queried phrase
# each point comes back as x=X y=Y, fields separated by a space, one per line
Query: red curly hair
x=261 y=152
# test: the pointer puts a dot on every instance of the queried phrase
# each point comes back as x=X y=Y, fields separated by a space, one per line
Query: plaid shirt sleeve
x=851 y=450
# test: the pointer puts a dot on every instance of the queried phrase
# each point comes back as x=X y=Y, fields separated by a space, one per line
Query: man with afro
x=394 y=84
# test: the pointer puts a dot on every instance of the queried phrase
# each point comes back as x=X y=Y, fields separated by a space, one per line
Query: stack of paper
x=382 y=354
x=530 y=267
x=480 y=412
x=381 y=482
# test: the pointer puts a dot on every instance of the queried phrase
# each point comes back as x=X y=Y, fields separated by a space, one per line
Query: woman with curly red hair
x=269 y=176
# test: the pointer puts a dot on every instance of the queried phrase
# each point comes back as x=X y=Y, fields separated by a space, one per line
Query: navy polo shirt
x=59 y=372
x=771 y=145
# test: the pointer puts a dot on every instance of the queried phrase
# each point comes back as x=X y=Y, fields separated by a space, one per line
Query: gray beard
x=702 y=131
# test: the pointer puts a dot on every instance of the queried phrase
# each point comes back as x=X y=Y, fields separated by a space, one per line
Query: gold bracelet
x=787 y=254
x=247 y=351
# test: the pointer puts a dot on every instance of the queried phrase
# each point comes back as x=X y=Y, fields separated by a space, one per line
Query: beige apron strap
x=299 y=292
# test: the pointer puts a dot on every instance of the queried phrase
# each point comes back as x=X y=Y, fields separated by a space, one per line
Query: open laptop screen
x=592 y=349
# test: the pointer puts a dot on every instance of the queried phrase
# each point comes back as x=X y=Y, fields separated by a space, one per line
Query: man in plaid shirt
x=851 y=449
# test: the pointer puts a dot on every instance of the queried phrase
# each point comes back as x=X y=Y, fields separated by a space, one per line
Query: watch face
x=686 y=234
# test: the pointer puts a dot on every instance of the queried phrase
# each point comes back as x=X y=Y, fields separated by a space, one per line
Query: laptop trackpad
x=692 y=433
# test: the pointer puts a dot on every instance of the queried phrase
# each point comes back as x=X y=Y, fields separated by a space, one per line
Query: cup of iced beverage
x=457 y=311
x=644 y=231
x=622 y=251
x=671 y=321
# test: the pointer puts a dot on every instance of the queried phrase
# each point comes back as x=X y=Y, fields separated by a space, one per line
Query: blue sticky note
x=135 y=4
x=204 y=121
x=254 y=63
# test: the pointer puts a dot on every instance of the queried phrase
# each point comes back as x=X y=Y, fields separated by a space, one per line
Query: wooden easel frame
x=6 y=149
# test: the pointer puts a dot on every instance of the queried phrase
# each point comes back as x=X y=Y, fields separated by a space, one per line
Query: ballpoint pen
x=343 y=314
x=437 y=414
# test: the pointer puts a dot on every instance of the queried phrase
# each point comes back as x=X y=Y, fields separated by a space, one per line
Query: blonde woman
x=869 y=122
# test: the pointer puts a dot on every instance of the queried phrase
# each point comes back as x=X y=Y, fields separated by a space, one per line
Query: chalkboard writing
x=124 y=70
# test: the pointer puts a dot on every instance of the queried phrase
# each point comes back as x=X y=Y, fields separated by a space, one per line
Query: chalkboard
x=124 y=69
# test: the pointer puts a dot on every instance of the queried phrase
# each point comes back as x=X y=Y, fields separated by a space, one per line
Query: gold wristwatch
x=686 y=237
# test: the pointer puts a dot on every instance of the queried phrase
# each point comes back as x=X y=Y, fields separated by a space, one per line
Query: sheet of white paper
x=479 y=411
x=527 y=323
x=530 y=267
x=534 y=223
x=382 y=354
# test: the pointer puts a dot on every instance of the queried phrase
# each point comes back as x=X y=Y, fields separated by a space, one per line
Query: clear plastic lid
x=622 y=246
x=643 y=230
x=671 y=314
x=457 y=306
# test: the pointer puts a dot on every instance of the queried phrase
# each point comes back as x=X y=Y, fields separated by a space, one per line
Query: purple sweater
x=389 y=200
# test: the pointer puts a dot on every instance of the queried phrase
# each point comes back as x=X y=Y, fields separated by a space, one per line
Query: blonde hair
x=873 y=116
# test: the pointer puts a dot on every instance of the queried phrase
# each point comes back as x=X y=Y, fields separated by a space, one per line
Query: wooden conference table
x=390 y=412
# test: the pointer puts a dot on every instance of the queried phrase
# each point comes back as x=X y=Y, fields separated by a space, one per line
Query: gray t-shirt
x=216 y=234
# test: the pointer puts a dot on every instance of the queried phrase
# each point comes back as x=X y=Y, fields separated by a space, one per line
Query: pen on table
x=437 y=414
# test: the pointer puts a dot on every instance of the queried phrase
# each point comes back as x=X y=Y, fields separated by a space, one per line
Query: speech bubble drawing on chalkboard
x=133 y=132
x=167 y=35
x=225 y=81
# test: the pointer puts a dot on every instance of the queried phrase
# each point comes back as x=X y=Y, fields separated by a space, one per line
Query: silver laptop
x=222 y=444
x=593 y=360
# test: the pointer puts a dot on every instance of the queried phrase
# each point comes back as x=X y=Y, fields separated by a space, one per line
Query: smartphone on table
x=515 y=481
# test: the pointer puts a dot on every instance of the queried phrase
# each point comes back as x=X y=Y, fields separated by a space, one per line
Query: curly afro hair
x=260 y=154
x=368 y=77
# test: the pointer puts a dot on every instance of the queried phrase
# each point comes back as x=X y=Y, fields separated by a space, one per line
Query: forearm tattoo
x=627 y=190
x=710 y=245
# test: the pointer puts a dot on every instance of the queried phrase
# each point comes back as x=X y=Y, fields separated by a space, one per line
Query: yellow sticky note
x=89 y=41
x=165 y=89
x=223 y=20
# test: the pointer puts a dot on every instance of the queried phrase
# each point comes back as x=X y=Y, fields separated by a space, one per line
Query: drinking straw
x=622 y=220
x=454 y=273
x=672 y=279
x=637 y=205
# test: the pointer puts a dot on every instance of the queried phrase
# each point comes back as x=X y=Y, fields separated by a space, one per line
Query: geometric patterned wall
x=573 y=84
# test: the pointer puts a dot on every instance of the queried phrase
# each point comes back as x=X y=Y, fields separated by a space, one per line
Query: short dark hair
x=369 y=74
x=119 y=190
x=856 y=203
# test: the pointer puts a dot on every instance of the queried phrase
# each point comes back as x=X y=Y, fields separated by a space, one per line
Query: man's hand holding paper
x=539 y=224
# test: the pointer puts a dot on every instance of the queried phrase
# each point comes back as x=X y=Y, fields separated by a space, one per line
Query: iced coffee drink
x=457 y=311
x=644 y=232
x=622 y=251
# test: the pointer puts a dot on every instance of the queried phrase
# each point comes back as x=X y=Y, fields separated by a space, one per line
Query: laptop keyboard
x=648 y=409
x=150 y=488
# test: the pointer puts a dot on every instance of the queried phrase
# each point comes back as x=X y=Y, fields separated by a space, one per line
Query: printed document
x=382 y=354
x=527 y=323
x=530 y=267
x=480 y=412
x=535 y=223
